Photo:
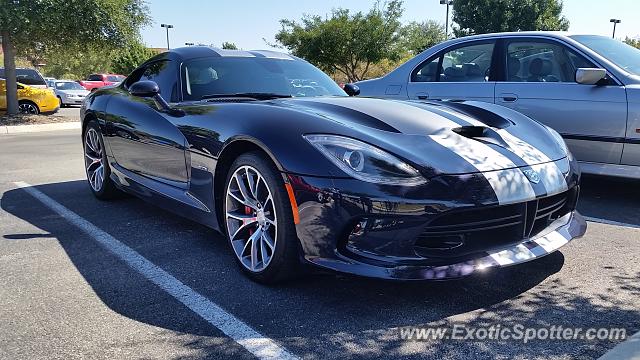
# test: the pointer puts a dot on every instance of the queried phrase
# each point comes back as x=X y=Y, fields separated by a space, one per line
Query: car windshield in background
x=115 y=78
x=68 y=85
x=625 y=56
x=219 y=76
x=27 y=77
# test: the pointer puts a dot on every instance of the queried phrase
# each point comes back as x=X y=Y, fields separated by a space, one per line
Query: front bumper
x=561 y=232
x=380 y=231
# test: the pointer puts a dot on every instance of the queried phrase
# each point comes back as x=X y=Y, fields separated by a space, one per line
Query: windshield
x=27 y=77
x=625 y=56
x=235 y=75
x=115 y=78
x=68 y=85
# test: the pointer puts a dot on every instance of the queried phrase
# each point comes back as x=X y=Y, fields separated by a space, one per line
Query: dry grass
x=33 y=119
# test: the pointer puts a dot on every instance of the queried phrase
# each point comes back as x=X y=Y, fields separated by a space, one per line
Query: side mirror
x=144 y=88
x=352 y=89
x=589 y=76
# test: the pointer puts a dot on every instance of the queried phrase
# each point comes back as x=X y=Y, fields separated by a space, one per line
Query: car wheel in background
x=96 y=164
x=27 y=107
x=259 y=220
x=61 y=103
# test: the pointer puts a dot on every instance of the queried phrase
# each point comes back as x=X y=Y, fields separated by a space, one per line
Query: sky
x=248 y=23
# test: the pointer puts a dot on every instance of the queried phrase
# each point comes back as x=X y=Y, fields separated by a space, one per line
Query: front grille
x=462 y=232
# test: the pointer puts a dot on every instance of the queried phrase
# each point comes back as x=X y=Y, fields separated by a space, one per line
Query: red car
x=95 y=81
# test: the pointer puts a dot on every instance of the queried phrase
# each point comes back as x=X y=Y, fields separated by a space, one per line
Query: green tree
x=229 y=45
x=344 y=42
x=128 y=59
x=77 y=64
x=486 y=16
x=54 y=25
x=417 y=37
x=633 y=42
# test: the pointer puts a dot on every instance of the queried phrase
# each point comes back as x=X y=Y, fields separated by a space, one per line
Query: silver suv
x=587 y=87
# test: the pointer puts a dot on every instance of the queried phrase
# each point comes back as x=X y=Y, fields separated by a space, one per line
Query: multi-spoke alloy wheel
x=93 y=159
x=28 y=108
x=251 y=218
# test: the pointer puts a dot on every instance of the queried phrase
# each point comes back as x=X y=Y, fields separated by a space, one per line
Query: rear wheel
x=259 y=220
x=96 y=164
x=27 y=107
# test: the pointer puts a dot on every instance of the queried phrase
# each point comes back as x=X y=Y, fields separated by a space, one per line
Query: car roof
x=556 y=34
x=190 y=52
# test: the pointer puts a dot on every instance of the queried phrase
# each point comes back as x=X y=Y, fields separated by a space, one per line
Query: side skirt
x=176 y=200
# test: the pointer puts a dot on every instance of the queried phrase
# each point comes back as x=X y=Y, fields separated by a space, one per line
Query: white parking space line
x=611 y=222
x=256 y=343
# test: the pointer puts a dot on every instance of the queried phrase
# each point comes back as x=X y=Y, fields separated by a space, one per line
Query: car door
x=460 y=72
x=143 y=138
x=539 y=81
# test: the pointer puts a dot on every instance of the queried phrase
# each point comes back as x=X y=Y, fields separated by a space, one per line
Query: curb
x=627 y=350
x=20 y=129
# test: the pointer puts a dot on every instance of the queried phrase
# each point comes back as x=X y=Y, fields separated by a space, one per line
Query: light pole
x=446 y=26
x=615 y=21
x=167 y=26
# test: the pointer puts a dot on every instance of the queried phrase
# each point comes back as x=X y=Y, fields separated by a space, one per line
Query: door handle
x=422 y=96
x=509 y=97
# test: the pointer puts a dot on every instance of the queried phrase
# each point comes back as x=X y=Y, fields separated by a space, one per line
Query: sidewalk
x=19 y=129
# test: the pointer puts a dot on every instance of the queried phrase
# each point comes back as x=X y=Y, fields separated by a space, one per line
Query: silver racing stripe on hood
x=551 y=176
x=506 y=179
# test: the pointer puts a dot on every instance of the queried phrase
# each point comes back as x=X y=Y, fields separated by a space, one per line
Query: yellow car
x=31 y=100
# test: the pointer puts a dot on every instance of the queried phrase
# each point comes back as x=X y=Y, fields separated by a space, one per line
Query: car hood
x=74 y=92
x=440 y=137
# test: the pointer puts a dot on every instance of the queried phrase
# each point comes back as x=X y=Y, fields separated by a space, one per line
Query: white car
x=69 y=92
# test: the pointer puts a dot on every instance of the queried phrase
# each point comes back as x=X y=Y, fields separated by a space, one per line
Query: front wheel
x=259 y=220
x=96 y=164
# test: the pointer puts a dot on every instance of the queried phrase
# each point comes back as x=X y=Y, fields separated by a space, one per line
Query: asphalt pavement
x=71 y=112
x=65 y=294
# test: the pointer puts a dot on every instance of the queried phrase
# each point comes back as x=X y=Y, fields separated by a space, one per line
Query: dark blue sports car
x=268 y=150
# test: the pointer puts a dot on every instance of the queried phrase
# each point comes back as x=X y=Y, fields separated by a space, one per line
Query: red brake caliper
x=248 y=211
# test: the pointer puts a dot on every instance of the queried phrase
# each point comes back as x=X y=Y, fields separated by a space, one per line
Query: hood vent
x=481 y=133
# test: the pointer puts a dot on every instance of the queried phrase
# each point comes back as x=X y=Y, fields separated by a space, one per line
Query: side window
x=94 y=77
x=538 y=61
x=427 y=72
x=469 y=63
x=578 y=61
x=165 y=74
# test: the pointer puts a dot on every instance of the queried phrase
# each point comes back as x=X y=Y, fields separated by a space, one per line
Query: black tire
x=61 y=103
x=108 y=190
x=28 y=107
x=285 y=262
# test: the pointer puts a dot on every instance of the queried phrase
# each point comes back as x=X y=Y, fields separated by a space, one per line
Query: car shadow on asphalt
x=613 y=199
x=319 y=315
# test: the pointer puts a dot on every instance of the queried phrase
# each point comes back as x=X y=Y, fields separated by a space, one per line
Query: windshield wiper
x=252 y=95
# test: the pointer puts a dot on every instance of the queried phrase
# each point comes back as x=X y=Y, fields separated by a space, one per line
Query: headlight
x=365 y=162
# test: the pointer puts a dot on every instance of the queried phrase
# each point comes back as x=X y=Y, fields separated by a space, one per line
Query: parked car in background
x=31 y=77
x=31 y=100
x=95 y=81
x=586 y=87
x=69 y=92
x=50 y=82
